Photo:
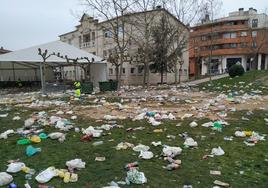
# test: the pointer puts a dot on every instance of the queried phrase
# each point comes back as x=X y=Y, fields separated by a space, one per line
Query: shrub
x=236 y=70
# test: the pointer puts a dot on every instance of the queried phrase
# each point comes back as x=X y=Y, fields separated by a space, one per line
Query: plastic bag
x=43 y=136
x=190 y=142
x=172 y=151
x=29 y=122
x=24 y=142
x=146 y=155
x=141 y=147
x=46 y=175
x=15 y=167
x=30 y=150
x=76 y=163
x=5 y=134
x=217 y=151
x=5 y=178
x=57 y=135
x=35 y=139
x=193 y=124
x=136 y=177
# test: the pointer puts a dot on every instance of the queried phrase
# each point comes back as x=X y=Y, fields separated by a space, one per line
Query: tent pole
x=41 y=77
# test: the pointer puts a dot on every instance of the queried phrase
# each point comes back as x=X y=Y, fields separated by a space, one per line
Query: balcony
x=89 y=44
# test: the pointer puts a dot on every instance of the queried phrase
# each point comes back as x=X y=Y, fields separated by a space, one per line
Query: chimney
x=241 y=11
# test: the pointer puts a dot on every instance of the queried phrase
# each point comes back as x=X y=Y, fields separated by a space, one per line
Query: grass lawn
x=252 y=82
x=253 y=161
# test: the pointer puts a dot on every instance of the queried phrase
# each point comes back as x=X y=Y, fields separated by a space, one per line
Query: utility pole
x=211 y=35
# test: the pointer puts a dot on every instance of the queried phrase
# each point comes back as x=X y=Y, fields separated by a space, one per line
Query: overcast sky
x=24 y=23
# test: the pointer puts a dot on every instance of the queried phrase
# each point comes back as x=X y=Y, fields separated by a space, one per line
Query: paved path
x=207 y=79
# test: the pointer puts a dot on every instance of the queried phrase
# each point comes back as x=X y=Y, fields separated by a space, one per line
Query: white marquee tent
x=27 y=64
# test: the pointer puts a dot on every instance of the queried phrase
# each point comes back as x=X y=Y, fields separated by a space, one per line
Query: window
x=93 y=35
x=254 y=33
x=140 y=69
x=132 y=70
x=233 y=45
x=243 y=44
x=226 y=35
x=80 y=41
x=244 y=34
x=124 y=70
x=86 y=38
x=203 y=37
x=69 y=41
x=233 y=35
x=94 y=53
x=255 y=23
x=111 y=71
x=108 y=34
x=254 y=44
x=185 y=71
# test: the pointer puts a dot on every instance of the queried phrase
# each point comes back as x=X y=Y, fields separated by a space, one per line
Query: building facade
x=3 y=51
x=242 y=37
x=94 y=37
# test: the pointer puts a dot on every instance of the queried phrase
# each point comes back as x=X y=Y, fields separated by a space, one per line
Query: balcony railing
x=89 y=44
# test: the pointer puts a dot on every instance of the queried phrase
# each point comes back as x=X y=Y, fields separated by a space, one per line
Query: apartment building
x=93 y=36
x=216 y=45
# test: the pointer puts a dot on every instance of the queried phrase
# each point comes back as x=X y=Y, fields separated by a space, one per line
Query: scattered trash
x=124 y=145
x=217 y=151
x=5 y=134
x=215 y=172
x=220 y=183
x=46 y=175
x=100 y=159
x=189 y=142
x=171 y=151
x=193 y=124
x=16 y=118
x=76 y=164
x=131 y=165
x=159 y=143
x=146 y=154
x=140 y=148
x=15 y=167
x=5 y=178
x=30 y=150
x=136 y=177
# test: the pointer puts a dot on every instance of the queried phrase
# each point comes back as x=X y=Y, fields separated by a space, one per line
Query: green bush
x=236 y=70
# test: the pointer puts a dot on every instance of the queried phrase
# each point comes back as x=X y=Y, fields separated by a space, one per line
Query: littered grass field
x=250 y=82
x=241 y=166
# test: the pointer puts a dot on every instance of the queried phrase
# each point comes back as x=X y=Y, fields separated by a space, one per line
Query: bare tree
x=114 y=11
x=142 y=21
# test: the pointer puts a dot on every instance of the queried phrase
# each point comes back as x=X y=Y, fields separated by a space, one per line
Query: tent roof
x=31 y=54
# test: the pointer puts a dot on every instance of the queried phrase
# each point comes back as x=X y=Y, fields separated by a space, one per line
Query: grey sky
x=24 y=23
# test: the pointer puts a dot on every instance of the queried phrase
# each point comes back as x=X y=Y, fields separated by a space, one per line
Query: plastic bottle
x=97 y=143
x=131 y=165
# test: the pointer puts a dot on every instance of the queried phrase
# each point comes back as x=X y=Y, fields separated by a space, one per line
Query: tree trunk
x=121 y=70
x=117 y=72
x=176 y=74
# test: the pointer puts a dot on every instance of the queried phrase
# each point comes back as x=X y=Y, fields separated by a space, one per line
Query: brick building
x=241 y=37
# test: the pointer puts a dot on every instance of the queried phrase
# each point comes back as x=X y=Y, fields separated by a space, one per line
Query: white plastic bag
x=190 y=142
x=146 y=155
x=193 y=124
x=76 y=163
x=5 y=134
x=29 y=122
x=5 y=178
x=172 y=151
x=217 y=151
x=46 y=175
x=15 y=167
x=141 y=147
